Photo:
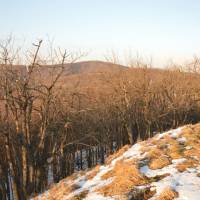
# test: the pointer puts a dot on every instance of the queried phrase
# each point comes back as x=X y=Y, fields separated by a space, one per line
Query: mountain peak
x=92 y=67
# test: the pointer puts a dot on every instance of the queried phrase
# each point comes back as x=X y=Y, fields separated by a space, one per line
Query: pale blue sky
x=162 y=29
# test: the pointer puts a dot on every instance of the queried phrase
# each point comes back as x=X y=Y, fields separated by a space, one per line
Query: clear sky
x=162 y=29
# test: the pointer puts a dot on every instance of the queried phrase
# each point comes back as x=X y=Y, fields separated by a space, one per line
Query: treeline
x=49 y=130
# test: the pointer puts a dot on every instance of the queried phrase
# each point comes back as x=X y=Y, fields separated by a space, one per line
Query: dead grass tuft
x=154 y=153
x=167 y=194
x=157 y=159
x=145 y=149
x=174 y=151
x=126 y=176
x=159 y=163
x=157 y=177
x=80 y=196
x=195 y=150
x=140 y=194
x=186 y=164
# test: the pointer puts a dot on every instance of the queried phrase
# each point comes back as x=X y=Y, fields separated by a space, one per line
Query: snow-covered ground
x=185 y=183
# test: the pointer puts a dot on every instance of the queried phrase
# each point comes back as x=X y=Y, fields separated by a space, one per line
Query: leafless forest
x=54 y=120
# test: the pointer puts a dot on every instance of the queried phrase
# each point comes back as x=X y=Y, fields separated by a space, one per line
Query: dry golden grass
x=159 y=163
x=93 y=173
x=162 y=145
x=140 y=194
x=145 y=148
x=62 y=190
x=174 y=154
x=154 y=153
x=126 y=175
x=58 y=192
x=168 y=140
x=198 y=174
x=194 y=128
x=167 y=194
x=152 y=141
x=73 y=177
x=117 y=154
x=170 y=147
x=187 y=164
x=189 y=130
x=193 y=152
x=157 y=177
x=194 y=143
x=80 y=196
x=193 y=131
x=157 y=159
x=174 y=151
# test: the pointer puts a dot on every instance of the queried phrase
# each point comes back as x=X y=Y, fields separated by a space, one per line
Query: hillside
x=92 y=67
x=83 y=119
x=75 y=68
x=164 y=167
x=88 y=74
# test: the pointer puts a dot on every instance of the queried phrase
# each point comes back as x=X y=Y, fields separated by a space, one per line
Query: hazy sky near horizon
x=161 y=29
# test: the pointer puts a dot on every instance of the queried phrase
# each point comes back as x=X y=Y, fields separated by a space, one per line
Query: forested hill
x=55 y=121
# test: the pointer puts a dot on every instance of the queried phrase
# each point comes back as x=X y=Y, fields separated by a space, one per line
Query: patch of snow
x=50 y=175
x=141 y=187
x=175 y=133
x=50 y=160
x=116 y=160
x=188 y=147
x=191 y=170
x=187 y=184
x=133 y=152
x=96 y=196
x=182 y=140
x=172 y=133
x=96 y=182
x=91 y=184
x=178 y=161
x=161 y=135
x=97 y=179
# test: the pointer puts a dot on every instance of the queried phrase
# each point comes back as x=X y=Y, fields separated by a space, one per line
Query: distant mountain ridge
x=92 y=67
x=78 y=67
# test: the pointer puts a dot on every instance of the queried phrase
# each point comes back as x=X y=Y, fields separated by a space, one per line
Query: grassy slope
x=164 y=167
